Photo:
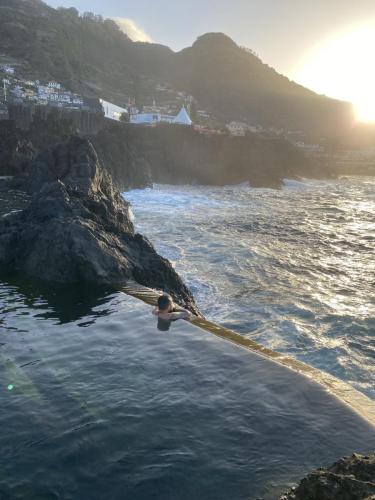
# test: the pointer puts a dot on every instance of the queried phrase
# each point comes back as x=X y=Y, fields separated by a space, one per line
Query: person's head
x=165 y=303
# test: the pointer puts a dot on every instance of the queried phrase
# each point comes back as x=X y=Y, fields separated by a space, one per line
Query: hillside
x=91 y=55
x=238 y=85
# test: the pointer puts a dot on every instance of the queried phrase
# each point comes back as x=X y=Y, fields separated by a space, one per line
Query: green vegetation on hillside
x=91 y=55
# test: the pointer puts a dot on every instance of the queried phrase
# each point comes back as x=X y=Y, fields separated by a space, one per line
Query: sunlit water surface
x=293 y=269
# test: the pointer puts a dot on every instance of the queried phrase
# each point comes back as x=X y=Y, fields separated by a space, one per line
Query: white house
x=17 y=91
x=182 y=118
x=45 y=89
x=112 y=111
x=203 y=114
x=237 y=128
x=78 y=100
x=309 y=148
x=9 y=70
x=65 y=97
x=54 y=85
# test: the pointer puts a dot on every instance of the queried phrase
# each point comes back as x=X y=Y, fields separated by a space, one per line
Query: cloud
x=130 y=28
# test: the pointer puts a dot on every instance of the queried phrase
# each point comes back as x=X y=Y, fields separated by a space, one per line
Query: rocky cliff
x=77 y=227
x=15 y=149
x=351 y=478
x=138 y=156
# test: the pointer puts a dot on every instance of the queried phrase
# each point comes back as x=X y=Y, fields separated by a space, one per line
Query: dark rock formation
x=123 y=154
x=136 y=156
x=351 y=478
x=19 y=146
x=15 y=149
x=77 y=228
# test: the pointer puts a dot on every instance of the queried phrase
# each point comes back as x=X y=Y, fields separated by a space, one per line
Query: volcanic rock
x=15 y=149
x=78 y=228
x=351 y=478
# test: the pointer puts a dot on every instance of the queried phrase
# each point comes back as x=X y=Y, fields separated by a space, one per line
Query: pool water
x=97 y=403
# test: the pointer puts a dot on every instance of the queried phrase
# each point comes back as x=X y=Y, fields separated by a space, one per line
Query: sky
x=307 y=40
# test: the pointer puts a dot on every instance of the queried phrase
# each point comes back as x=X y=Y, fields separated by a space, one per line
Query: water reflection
x=63 y=303
x=164 y=324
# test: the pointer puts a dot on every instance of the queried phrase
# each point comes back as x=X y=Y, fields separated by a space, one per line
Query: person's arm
x=180 y=315
x=175 y=315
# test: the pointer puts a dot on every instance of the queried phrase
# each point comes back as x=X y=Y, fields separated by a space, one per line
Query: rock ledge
x=351 y=478
x=77 y=228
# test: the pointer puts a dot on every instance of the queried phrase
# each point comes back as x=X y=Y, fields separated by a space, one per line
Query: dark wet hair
x=164 y=301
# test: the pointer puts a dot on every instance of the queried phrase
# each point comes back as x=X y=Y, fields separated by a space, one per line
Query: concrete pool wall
x=357 y=401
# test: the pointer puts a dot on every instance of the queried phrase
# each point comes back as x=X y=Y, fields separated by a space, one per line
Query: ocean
x=293 y=269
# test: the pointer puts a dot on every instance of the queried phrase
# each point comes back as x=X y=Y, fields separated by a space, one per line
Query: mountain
x=91 y=55
x=238 y=85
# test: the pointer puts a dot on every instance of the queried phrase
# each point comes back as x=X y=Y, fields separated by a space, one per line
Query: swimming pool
x=97 y=403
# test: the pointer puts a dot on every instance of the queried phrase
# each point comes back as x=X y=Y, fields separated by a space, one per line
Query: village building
x=237 y=128
x=241 y=129
x=203 y=114
x=210 y=132
x=276 y=131
x=111 y=111
x=255 y=129
x=33 y=92
x=6 y=68
x=18 y=92
x=45 y=90
x=78 y=101
x=182 y=118
x=309 y=148
x=162 y=87
x=54 y=85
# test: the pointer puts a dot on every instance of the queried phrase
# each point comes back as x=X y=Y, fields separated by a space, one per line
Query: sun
x=342 y=67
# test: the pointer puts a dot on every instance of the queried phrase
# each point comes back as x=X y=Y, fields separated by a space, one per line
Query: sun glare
x=342 y=67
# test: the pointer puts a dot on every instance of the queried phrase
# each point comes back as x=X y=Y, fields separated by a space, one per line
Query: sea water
x=293 y=269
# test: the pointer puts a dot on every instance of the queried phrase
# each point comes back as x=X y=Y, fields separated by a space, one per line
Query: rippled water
x=96 y=403
x=292 y=269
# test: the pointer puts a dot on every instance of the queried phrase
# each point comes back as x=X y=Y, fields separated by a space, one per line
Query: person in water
x=167 y=312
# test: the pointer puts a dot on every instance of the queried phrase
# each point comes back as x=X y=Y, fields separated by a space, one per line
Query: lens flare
x=10 y=387
x=341 y=67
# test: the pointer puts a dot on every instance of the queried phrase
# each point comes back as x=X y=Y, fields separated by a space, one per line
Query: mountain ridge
x=91 y=55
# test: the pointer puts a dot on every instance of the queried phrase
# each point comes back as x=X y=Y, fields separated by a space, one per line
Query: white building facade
x=237 y=128
x=112 y=111
x=9 y=70
x=182 y=118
